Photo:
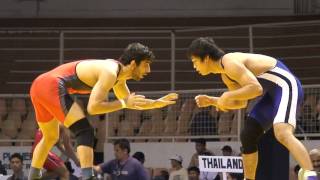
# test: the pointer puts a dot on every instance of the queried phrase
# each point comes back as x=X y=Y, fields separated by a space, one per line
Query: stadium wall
x=158 y=154
x=143 y=8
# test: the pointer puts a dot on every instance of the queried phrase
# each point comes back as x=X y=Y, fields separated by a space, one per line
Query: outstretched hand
x=170 y=97
x=134 y=101
x=166 y=100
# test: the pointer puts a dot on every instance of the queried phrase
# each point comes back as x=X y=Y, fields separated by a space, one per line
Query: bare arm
x=161 y=102
x=233 y=104
x=228 y=104
x=122 y=92
x=249 y=86
x=98 y=103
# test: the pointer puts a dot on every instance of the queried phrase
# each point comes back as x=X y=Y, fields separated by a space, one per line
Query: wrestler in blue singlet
x=282 y=94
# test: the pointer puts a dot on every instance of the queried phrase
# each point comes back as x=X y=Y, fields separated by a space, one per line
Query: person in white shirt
x=178 y=172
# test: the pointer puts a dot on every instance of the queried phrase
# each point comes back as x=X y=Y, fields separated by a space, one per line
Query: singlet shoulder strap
x=226 y=74
x=221 y=63
x=119 y=68
x=119 y=65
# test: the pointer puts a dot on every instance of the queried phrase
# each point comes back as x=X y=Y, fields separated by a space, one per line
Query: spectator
x=202 y=150
x=164 y=175
x=227 y=150
x=3 y=170
x=123 y=167
x=234 y=176
x=200 y=145
x=178 y=172
x=16 y=164
x=208 y=175
x=315 y=158
x=139 y=156
x=194 y=173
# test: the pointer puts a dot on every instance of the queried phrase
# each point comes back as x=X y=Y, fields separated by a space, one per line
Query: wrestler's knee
x=250 y=136
x=50 y=137
x=283 y=132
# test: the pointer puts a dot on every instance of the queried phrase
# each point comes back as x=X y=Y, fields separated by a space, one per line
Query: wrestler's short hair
x=137 y=52
x=205 y=46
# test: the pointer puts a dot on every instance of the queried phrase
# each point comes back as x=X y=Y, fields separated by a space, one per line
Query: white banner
x=231 y=164
x=7 y=151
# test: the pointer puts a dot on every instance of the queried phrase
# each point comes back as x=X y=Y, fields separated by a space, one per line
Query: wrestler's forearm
x=245 y=93
x=236 y=104
x=151 y=104
x=104 y=107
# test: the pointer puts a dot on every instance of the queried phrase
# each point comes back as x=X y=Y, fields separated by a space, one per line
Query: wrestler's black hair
x=137 y=52
x=205 y=46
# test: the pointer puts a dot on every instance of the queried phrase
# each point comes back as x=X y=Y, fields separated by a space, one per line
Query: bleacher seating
x=26 y=55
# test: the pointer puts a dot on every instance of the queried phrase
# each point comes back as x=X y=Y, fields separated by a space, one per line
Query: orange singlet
x=50 y=92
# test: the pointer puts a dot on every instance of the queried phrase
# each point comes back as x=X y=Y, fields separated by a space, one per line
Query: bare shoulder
x=90 y=71
x=236 y=56
x=99 y=66
x=232 y=55
x=230 y=60
x=109 y=66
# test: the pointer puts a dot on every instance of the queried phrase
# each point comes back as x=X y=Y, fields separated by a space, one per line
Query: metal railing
x=174 y=123
x=275 y=39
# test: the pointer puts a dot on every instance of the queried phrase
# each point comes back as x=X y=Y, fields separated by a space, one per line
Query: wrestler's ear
x=206 y=59
x=133 y=63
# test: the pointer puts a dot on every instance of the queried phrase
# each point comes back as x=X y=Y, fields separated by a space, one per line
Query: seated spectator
x=178 y=172
x=123 y=166
x=139 y=156
x=315 y=158
x=235 y=176
x=164 y=175
x=3 y=170
x=16 y=164
x=200 y=146
x=227 y=150
x=208 y=175
x=194 y=173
